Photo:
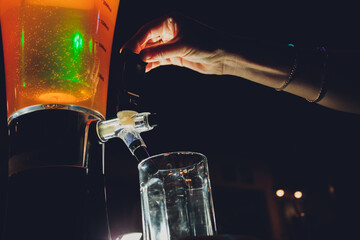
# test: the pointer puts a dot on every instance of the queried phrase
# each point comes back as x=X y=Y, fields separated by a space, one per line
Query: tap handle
x=132 y=81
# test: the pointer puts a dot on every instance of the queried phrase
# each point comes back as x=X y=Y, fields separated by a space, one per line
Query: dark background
x=256 y=139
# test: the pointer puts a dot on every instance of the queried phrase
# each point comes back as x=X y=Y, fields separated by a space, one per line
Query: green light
x=22 y=37
x=78 y=41
x=79 y=81
x=91 y=45
x=22 y=73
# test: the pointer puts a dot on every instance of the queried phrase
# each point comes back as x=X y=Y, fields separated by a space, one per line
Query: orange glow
x=57 y=97
x=280 y=193
x=51 y=52
x=298 y=194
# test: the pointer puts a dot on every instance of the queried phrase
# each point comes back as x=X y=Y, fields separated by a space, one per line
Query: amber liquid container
x=57 y=58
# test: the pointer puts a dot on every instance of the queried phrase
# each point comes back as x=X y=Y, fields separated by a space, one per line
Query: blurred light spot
x=130 y=236
x=78 y=41
x=91 y=45
x=22 y=37
x=280 y=193
x=298 y=194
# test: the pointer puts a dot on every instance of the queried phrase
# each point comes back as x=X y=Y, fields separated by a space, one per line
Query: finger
x=153 y=43
x=163 y=28
x=151 y=66
x=181 y=62
x=177 y=61
x=165 y=51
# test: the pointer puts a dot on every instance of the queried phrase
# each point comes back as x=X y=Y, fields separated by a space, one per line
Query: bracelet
x=292 y=73
x=323 y=84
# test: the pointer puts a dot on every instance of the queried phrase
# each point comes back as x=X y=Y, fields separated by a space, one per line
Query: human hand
x=179 y=40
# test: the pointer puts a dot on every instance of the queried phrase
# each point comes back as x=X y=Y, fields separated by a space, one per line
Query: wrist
x=263 y=63
x=232 y=64
x=233 y=59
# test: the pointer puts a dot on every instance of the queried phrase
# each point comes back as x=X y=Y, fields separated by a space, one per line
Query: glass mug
x=176 y=196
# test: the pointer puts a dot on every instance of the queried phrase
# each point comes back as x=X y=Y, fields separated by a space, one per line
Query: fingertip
x=150 y=66
x=126 y=46
x=132 y=46
x=145 y=55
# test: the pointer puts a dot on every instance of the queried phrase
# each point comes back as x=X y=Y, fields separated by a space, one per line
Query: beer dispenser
x=57 y=58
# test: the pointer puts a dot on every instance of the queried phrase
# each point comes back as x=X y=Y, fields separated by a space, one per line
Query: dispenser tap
x=127 y=126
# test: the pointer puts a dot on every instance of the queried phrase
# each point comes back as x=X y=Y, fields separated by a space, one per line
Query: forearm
x=258 y=63
x=271 y=66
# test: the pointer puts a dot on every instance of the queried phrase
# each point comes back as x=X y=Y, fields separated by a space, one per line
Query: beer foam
x=126 y=117
x=75 y=4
